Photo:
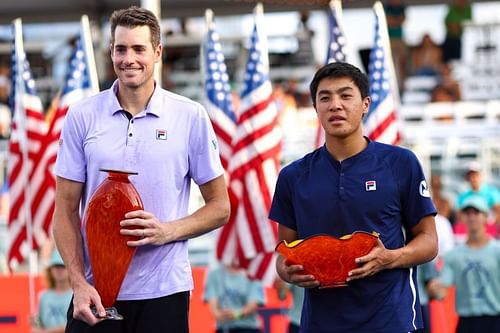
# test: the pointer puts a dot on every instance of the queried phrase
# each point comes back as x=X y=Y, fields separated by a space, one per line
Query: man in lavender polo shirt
x=169 y=141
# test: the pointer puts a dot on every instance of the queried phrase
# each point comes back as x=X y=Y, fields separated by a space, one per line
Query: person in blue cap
x=474 y=269
x=54 y=302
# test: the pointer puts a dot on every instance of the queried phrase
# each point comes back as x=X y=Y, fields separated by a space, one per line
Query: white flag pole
x=89 y=54
x=155 y=7
x=23 y=145
x=384 y=34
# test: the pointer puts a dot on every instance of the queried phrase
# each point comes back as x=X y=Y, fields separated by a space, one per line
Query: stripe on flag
x=254 y=164
x=28 y=131
x=380 y=122
x=219 y=103
x=335 y=52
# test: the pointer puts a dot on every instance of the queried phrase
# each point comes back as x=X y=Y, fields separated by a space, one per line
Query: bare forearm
x=249 y=309
x=212 y=215
x=419 y=250
x=68 y=239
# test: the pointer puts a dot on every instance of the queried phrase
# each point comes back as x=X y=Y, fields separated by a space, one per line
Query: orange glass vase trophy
x=109 y=253
x=327 y=258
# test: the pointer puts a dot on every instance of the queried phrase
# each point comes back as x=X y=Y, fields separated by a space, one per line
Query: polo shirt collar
x=153 y=107
x=351 y=159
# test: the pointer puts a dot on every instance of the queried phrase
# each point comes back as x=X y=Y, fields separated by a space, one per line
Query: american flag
x=219 y=103
x=80 y=82
x=254 y=165
x=336 y=51
x=380 y=123
x=28 y=131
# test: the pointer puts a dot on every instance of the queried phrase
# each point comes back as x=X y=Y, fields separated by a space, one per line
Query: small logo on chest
x=371 y=185
x=161 y=134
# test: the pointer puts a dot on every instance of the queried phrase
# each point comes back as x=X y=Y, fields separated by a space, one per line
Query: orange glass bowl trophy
x=109 y=253
x=327 y=258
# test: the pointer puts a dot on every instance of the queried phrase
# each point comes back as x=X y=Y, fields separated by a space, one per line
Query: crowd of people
x=429 y=58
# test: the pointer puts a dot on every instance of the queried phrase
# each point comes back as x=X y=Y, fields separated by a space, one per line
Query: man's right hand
x=84 y=297
x=294 y=274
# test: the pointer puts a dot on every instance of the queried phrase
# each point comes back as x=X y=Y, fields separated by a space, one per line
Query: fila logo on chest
x=370 y=185
x=161 y=134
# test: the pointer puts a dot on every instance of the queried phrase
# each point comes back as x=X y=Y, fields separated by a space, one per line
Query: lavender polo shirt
x=169 y=144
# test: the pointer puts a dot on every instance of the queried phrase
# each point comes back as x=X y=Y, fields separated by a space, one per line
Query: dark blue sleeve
x=416 y=200
x=282 y=207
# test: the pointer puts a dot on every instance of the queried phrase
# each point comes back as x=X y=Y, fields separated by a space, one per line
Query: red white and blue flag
x=26 y=231
x=253 y=168
x=336 y=50
x=218 y=103
x=80 y=82
x=380 y=123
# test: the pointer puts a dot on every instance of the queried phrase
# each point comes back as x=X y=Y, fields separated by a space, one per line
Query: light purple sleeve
x=204 y=159
x=70 y=163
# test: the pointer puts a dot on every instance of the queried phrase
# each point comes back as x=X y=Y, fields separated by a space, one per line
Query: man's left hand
x=378 y=259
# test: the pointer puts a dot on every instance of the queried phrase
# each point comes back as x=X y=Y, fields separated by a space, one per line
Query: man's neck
x=477 y=240
x=343 y=148
x=135 y=100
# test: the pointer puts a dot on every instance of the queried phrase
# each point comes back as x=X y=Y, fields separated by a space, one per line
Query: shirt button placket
x=341 y=184
x=130 y=147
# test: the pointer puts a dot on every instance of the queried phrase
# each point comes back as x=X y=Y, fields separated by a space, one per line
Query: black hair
x=340 y=70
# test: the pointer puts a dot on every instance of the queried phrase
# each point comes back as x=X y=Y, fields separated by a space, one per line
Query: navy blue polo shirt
x=381 y=189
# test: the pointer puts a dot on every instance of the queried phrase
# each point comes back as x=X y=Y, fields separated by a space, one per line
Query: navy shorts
x=157 y=315
x=479 y=324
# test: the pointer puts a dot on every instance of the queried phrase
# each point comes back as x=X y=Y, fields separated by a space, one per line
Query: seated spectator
x=233 y=299
x=426 y=57
x=441 y=93
x=449 y=84
x=285 y=103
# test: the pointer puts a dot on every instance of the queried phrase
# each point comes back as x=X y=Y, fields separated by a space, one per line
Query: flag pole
x=384 y=35
x=259 y=18
x=209 y=14
x=20 y=58
x=89 y=53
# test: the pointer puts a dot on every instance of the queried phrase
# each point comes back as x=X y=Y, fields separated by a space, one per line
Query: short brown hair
x=134 y=17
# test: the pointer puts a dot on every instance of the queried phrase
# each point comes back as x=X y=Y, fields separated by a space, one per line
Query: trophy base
x=111 y=313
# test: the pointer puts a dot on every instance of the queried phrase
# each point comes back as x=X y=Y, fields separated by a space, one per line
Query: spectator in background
x=442 y=203
x=285 y=103
x=474 y=269
x=488 y=192
x=233 y=299
x=426 y=57
x=458 y=12
x=54 y=302
x=395 y=14
x=448 y=89
x=5 y=112
x=4 y=216
x=426 y=273
x=295 y=311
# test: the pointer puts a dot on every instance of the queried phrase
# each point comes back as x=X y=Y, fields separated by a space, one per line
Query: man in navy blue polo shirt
x=352 y=184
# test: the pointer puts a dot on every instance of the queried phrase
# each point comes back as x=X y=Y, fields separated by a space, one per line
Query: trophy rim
x=128 y=172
